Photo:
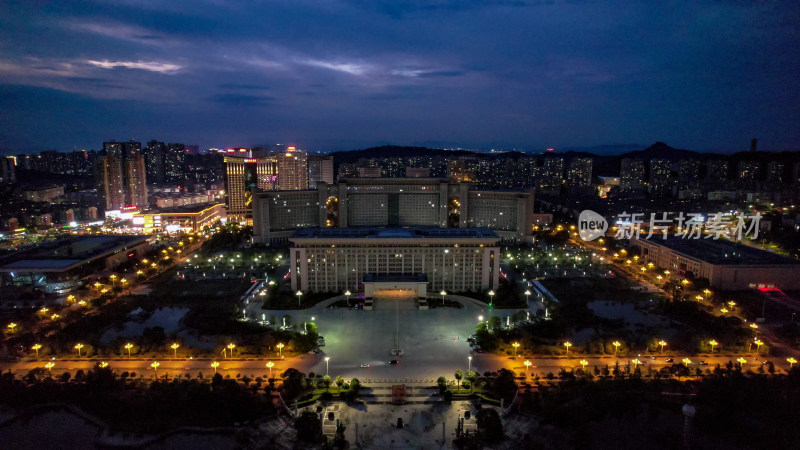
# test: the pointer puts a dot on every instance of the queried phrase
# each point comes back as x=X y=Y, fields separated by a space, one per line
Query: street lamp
x=12 y=326
x=443 y=294
x=616 y=345
x=174 y=348
x=707 y=292
x=231 y=346
x=759 y=343
x=491 y=297
x=636 y=363
x=791 y=362
x=78 y=347
x=299 y=296
x=36 y=347
x=724 y=310
x=215 y=365
x=49 y=366
x=327 y=358
x=347 y=294
x=584 y=363
x=515 y=345
x=128 y=347
x=527 y=365
x=731 y=304
x=741 y=362
x=469 y=363
x=527 y=295
x=155 y=368
x=754 y=326
x=713 y=344
x=113 y=278
x=269 y=366
x=662 y=343
x=103 y=365
x=568 y=344
x=686 y=361
x=280 y=348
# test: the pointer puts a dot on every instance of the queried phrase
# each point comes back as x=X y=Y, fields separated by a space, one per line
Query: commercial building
x=395 y=262
x=243 y=177
x=392 y=202
x=63 y=265
x=188 y=218
x=727 y=265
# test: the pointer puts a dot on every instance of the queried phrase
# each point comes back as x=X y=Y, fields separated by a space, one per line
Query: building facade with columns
x=415 y=260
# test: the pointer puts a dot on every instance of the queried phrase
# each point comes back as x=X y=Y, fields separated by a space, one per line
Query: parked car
x=394 y=361
x=702 y=363
x=365 y=365
x=669 y=360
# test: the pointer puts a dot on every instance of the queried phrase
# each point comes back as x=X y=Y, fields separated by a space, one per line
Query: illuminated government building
x=405 y=262
x=391 y=202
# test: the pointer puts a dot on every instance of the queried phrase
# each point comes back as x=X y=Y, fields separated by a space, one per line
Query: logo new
x=591 y=225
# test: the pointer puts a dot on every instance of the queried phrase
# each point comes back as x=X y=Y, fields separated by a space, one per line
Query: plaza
x=434 y=341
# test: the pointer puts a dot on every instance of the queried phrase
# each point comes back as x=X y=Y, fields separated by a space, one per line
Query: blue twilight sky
x=337 y=75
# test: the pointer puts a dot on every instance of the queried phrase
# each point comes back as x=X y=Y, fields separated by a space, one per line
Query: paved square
x=434 y=342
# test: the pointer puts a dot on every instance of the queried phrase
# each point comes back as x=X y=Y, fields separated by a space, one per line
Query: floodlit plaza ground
x=434 y=341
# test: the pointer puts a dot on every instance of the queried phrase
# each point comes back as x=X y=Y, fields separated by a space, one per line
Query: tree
x=309 y=428
x=459 y=375
x=489 y=425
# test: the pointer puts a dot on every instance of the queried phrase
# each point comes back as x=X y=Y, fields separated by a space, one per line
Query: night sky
x=338 y=75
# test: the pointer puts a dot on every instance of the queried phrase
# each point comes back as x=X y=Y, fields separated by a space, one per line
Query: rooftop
x=185 y=209
x=395 y=233
x=65 y=253
x=723 y=252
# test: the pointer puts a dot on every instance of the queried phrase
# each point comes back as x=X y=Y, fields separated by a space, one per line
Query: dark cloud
x=530 y=74
x=241 y=99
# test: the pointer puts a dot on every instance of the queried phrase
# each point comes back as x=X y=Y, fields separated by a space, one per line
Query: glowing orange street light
x=567 y=345
x=584 y=363
x=215 y=365
x=174 y=348
x=36 y=347
x=515 y=345
x=128 y=347
x=662 y=343
x=791 y=362
x=713 y=344
x=527 y=365
x=78 y=347
x=280 y=349
x=50 y=366
x=270 y=365
x=616 y=345
x=230 y=347
x=759 y=343
x=155 y=368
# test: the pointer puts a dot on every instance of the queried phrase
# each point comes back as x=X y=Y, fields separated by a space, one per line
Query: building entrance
x=395 y=294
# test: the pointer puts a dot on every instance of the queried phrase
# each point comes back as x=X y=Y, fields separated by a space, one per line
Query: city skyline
x=339 y=76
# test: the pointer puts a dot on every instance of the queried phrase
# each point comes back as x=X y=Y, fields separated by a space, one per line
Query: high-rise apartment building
x=135 y=181
x=579 y=174
x=747 y=174
x=113 y=148
x=717 y=173
x=631 y=176
x=660 y=180
x=154 y=161
x=552 y=176
x=8 y=169
x=320 y=169
x=110 y=180
x=689 y=174
x=775 y=174
x=244 y=177
x=175 y=163
x=292 y=170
